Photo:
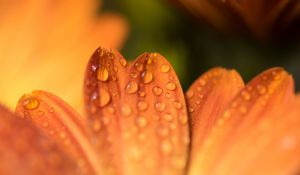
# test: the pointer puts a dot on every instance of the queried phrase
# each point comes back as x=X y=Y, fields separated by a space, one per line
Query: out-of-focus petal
x=266 y=95
x=46 y=45
x=25 y=150
x=60 y=122
x=138 y=114
x=206 y=99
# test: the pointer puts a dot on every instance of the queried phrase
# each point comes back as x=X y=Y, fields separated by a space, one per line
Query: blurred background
x=194 y=47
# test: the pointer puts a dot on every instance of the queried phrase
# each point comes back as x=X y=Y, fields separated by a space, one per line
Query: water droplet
x=105 y=120
x=96 y=126
x=168 y=117
x=123 y=62
x=116 y=69
x=191 y=109
x=125 y=110
x=179 y=162
x=147 y=77
x=31 y=103
x=131 y=87
x=46 y=124
x=168 y=95
x=104 y=97
x=142 y=93
x=142 y=105
x=197 y=102
x=190 y=94
x=171 y=86
x=160 y=106
x=157 y=91
x=177 y=104
x=183 y=119
x=261 y=89
x=202 y=82
x=102 y=74
x=165 y=68
x=40 y=113
x=62 y=135
x=166 y=147
x=245 y=95
x=243 y=110
x=141 y=122
x=227 y=114
x=163 y=131
x=134 y=74
x=142 y=136
x=138 y=66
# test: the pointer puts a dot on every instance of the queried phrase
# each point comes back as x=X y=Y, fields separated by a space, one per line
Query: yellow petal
x=137 y=113
x=207 y=98
x=25 y=150
x=46 y=45
x=60 y=122
x=266 y=95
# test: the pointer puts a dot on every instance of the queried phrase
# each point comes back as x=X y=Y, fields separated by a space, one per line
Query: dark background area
x=193 y=47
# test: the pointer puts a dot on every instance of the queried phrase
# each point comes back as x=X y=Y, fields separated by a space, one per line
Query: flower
x=264 y=18
x=138 y=121
x=43 y=40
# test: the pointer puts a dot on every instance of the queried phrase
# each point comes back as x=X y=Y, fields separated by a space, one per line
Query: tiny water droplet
x=147 y=77
x=141 y=122
x=131 y=87
x=190 y=94
x=261 y=89
x=160 y=106
x=46 y=124
x=134 y=74
x=157 y=91
x=163 y=131
x=142 y=93
x=245 y=95
x=142 y=105
x=96 y=126
x=164 y=68
x=105 y=120
x=40 y=113
x=102 y=74
x=31 y=103
x=166 y=147
x=191 y=109
x=104 y=97
x=125 y=110
x=202 y=82
x=171 y=86
x=177 y=104
x=123 y=62
x=168 y=117
x=138 y=66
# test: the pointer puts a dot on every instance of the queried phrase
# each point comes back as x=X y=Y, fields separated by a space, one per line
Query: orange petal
x=25 y=150
x=266 y=95
x=60 y=122
x=43 y=40
x=137 y=113
x=206 y=99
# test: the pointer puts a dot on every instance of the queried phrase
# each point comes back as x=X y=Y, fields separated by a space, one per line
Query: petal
x=266 y=95
x=24 y=150
x=60 y=122
x=137 y=112
x=207 y=98
x=42 y=40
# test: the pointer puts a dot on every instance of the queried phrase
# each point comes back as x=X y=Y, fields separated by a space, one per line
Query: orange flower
x=262 y=17
x=137 y=123
x=45 y=45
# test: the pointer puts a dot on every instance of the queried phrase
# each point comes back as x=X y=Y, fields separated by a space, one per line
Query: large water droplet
x=131 y=87
x=165 y=68
x=147 y=77
x=157 y=91
x=104 y=97
x=171 y=86
x=142 y=105
x=102 y=74
x=125 y=110
x=160 y=106
x=31 y=103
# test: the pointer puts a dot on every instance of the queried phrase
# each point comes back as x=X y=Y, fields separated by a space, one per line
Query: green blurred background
x=193 y=47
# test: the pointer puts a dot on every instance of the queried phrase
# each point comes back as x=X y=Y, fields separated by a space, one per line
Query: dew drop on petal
x=157 y=91
x=163 y=131
x=168 y=117
x=123 y=62
x=104 y=97
x=102 y=74
x=142 y=93
x=165 y=68
x=261 y=89
x=31 y=103
x=166 y=147
x=131 y=87
x=138 y=66
x=171 y=86
x=141 y=122
x=245 y=95
x=147 y=77
x=40 y=113
x=160 y=106
x=191 y=109
x=202 y=82
x=142 y=105
x=177 y=104
x=125 y=110
x=190 y=94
